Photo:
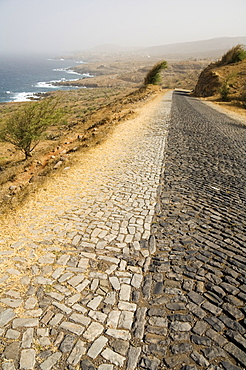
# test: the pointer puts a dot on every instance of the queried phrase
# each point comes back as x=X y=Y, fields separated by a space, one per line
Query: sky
x=60 y=26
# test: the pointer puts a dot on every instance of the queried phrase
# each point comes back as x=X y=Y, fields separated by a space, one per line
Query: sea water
x=23 y=77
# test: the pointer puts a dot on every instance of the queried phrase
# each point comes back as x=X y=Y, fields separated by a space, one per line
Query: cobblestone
x=97 y=347
x=78 y=351
x=113 y=357
x=202 y=197
x=133 y=262
x=51 y=361
x=27 y=359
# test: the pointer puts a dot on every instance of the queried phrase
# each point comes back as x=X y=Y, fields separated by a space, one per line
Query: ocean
x=22 y=77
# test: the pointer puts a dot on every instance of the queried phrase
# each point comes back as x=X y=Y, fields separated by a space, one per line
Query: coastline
x=26 y=78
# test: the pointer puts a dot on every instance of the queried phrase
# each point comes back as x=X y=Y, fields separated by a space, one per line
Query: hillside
x=225 y=79
x=201 y=49
x=212 y=78
x=131 y=74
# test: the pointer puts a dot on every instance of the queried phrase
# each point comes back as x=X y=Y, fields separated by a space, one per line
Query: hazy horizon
x=57 y=26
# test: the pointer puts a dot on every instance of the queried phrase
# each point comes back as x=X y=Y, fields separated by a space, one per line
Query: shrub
x=234 y=55
x=25 y=127
x=153 y=77
x=224 y=90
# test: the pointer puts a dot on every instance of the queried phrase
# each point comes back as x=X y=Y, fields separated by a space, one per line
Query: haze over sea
x=22 y=77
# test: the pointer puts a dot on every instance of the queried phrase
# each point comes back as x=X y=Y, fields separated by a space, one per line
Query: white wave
x=65 y=79
x=45 y=85
x=8 y=92
x=67 y=70
x=73 y=72
x=60 y=69
x=24 y=96
x=52 y=84
x=80 y=74
x=87 y=75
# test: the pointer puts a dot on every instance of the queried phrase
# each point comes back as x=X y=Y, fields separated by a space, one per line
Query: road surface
x=135 y=257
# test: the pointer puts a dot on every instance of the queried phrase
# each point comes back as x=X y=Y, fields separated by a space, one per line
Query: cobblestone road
x=196 y=282
x=106 y=269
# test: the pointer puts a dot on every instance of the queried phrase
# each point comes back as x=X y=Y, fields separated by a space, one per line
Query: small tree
x=25 y=127
x=153 y=77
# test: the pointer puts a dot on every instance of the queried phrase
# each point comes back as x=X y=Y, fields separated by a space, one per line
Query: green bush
x=24 y=128
x=153 y=77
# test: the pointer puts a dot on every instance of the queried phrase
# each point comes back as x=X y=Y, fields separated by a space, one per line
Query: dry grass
x=234 y=55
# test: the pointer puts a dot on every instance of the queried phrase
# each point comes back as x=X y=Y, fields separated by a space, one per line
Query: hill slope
x=212 y=78
x=226 y=77
x=202 y=49
x=212 y=48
